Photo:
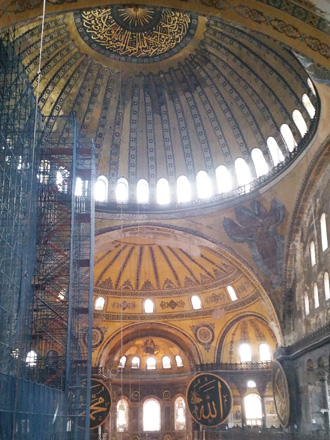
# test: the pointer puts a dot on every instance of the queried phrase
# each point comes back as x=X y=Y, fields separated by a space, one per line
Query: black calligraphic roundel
x=281 y=394
x=100 y=404
x=209 y=399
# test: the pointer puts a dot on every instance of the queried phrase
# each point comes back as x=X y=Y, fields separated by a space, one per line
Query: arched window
x=316 y=296
x=204 y=187
x=122 y=415
x=166 y=362
x=149 y=306
x=242 y=172
x=275 y=151
x=196 y=302
x=151 y=363
x=122 y=362
x=288 y=137
x=122 y=190
x=264 y=353
x=101 y=189
x=311 y=86
x=178 y=360
x=135 y=362
x=306 y=301
x=163 y=192
x=312 y=253
x=324 y=232
x=253 y=410
x=231 y=293
x=259 y=161
x=223 y=177
x=179 y=414
x=31 y=358
x=151 y=415
x=142 y=191
x=251 y=384
x=326 y=286
x=61 y=182
x=300 y=122
x=79 y=187
x=245 y=352
x=308 y=105
x=99 y=303
x=183 y=189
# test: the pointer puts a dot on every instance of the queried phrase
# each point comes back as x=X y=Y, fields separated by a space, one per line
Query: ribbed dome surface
x=218 y=96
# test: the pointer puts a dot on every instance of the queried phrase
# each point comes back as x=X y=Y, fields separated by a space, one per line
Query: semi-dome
x=207 y=112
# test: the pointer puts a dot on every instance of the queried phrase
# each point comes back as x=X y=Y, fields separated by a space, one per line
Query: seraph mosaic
x=257 y=227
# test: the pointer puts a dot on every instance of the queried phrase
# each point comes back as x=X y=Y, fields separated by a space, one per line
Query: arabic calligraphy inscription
x=209 y=399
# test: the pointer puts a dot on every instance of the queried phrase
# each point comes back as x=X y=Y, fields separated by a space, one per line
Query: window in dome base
x=149 y=306
x=142 y=191
x=166 y=362
x=151 y=363
x=196 y=302
x=151 y=415
x=259 y=161
x=231 y=293
x=101 y=189
x=243 y=173
x=122 y=362
x=99 y=303
x=300 y=122
x=308 y=105
x=122 y=190
x=275 y=151
x=178 y=360
x=163 y=192
x=204 y=186
x=183 y=189
x=135 y=362
x=223 y=177
x=288 y=137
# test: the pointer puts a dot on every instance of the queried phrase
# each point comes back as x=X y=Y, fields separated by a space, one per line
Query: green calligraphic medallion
x=209 y=399
x=100 y=404
x=281 y=394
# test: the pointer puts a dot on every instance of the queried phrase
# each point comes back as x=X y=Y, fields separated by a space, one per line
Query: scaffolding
x=46 y=265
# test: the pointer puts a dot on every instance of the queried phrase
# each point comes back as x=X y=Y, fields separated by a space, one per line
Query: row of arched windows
x=245 y=352
x=324 y=240
x=151 y=415
x=151 y=412
x=313 y=261
x=151 y=362
x=316 y=299
x=225 y=181
x=149 y=304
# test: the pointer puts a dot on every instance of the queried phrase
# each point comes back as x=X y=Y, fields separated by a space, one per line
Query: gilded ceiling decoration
x=136 y=34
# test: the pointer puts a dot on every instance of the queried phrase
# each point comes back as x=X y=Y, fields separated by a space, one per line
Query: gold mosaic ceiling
x=207 y=94
x=168 y=266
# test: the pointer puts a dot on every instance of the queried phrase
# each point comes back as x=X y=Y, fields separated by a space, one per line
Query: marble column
x=323 y=377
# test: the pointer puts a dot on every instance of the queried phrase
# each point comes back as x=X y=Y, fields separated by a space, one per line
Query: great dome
x=205 y=115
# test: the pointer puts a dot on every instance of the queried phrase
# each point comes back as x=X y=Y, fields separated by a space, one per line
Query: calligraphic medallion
x=281 y=394
x=209 y=399
x=100 y=404
x=139 y=34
